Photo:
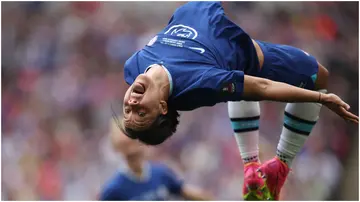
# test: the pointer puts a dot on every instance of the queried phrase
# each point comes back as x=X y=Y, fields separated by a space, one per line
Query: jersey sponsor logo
x=180 y=44
x=199 y=49
x=182 y=31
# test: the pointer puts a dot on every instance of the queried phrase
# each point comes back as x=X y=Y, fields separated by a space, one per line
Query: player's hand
x=335 y=104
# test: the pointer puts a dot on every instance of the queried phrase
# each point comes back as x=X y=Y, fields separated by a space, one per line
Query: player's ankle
x=252 y=163
x=284 y=161
x=252 y=159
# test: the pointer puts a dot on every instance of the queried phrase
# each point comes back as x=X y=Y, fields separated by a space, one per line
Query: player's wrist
x=319 y=100
x=323 y=98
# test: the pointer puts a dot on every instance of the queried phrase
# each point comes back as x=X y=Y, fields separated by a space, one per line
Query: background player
x=144 y=180
x=190 y=64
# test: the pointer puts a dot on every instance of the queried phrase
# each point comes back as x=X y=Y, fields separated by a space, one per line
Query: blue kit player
x=201 y=58
x=144 y=180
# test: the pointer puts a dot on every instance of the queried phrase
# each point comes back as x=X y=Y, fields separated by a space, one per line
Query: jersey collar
x=146 y=173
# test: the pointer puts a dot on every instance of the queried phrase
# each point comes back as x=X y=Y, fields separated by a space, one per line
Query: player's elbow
x=256 y=88
x=262 y=86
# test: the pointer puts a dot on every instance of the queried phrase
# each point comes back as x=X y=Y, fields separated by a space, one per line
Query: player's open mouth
x=139 y=88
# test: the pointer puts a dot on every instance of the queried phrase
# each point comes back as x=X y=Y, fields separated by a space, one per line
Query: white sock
x=299 y=120
x=245 y=118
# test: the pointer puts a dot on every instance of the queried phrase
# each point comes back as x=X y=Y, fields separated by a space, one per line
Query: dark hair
x=163 y=127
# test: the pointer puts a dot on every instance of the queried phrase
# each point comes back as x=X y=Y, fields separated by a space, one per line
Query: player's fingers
x=337 y=100
x=347 y=107
x=353 y=120
x=344 y=104
x=350 y=116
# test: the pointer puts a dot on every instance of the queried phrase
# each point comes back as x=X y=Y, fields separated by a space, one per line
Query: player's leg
x=299 y=120
x=244 y=118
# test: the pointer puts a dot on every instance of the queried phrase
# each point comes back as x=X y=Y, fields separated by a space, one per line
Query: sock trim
x=245 y=129
x=298 y=119
x=240 y=125
x=300 y=132
x=298 y=125
x=251 y=159
x=282 y=162
x=245 y=118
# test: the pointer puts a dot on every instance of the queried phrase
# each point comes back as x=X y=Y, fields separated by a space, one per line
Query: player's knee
x=322 y=78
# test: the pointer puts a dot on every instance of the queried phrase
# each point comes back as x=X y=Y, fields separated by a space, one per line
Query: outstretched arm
x=264 y=89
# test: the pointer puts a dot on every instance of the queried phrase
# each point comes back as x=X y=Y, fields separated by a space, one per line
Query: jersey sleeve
x=173 y=182
x=206 y=86
x=226 y=85
x=130 y=71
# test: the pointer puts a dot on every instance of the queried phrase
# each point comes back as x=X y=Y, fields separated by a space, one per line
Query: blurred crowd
x=62 y=69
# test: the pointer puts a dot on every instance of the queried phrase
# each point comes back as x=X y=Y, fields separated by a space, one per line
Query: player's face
x=142 y=103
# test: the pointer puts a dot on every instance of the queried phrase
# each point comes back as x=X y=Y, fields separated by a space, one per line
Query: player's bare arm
x=264 y=89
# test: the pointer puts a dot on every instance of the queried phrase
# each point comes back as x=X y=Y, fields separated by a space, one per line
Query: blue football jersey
x=158 y=184
x=205 y=54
